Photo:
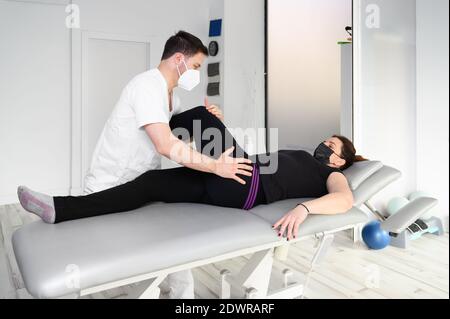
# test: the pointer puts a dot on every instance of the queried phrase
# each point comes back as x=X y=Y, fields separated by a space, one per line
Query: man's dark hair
x=185 y=43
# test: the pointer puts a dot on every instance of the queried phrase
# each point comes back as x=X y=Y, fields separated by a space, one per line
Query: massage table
x=141 y=247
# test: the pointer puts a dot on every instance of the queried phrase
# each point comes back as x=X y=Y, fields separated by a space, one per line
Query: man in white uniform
x=137 y=133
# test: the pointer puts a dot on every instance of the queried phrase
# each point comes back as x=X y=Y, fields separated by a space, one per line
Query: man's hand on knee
x=214 y=109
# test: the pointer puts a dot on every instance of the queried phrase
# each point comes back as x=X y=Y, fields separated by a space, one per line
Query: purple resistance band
x=253 y=192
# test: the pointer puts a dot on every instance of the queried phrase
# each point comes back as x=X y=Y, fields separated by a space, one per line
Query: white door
x=108 y=62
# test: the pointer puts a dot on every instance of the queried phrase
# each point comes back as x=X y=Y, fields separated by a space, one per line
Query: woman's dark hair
x=185 y=43
x=349 y=152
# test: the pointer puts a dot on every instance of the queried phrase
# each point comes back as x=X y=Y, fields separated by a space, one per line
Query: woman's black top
x=298 y=175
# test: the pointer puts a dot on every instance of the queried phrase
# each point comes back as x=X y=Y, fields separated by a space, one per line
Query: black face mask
x=323 y=154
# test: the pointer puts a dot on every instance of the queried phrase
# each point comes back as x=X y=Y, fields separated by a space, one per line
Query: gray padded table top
x=118 y=246
x=314 y=223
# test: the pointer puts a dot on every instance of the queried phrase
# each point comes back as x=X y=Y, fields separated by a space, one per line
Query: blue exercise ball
x=374 y=236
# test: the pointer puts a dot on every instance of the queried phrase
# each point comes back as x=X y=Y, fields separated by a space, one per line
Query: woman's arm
x=338 y=200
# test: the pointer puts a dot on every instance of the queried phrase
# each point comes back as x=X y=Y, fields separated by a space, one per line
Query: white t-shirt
x=124 y=150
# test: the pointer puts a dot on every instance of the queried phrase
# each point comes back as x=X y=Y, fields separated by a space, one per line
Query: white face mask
x=189 y=79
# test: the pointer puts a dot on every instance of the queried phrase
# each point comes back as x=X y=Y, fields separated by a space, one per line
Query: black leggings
x=173 y=185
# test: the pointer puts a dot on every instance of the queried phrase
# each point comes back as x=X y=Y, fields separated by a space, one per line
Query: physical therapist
x=137 y=133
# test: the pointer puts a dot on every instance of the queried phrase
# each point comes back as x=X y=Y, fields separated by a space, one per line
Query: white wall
x=433 y=101
x=244 y=70
x=35 y=78
x=385 y=90
x=35 y=97
x=401 y=95
x=304 y=69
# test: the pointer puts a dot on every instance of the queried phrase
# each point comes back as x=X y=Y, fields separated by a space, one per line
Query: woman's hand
x=291 y=222
x=228 y=167
x=214 y=110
